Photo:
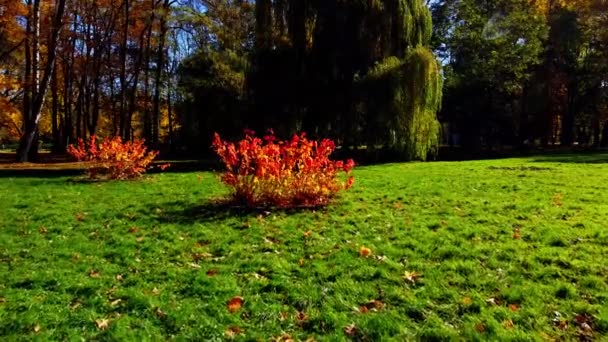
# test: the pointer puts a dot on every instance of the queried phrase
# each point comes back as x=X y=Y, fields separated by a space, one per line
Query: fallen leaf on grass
x=139 y=239
x=516 y=234
x=155 y=291
x=561 y=324
x=285 y=337
x=372 y=305
x=235 y=304
x=508 y=324
x=115 y=302
x=411 y=276
x=301 y=317
x=362 y=309
x=102 y=323
x=513 y=307
x=308 y=233
x=233 y=331
x=94 y=274
x=350 y=330
x=159 y=313
x=466 y=301
x=365 y=252
x=558 y=200
x=36 y=328
x=301 y=262
x=75 y=304
x=283 y=316
x=80 y=217
x=43 y=230
x=480 y=327
x=119 y=277
x=194 y=265
x=133 y=230
x=212 y=272
x=199 y=256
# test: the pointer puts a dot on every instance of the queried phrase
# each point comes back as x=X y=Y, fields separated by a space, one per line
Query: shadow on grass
x=216 y=210
x=581 y=158
x=56 y=170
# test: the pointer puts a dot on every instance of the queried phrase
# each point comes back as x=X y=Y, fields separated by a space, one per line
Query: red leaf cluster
x=113 y=158
x=267 y=172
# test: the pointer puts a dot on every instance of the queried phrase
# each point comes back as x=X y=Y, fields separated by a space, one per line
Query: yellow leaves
x=94 y=274
x=508 y=324
x=557 y=200
x=411 y=276
x=102 y=323
x=36 y=328
x=235 y=304
x=364 y=252
x=233 y=331
x=350 y=330
x=200 y=256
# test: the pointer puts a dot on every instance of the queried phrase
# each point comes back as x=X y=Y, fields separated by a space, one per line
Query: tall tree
x=33 y=115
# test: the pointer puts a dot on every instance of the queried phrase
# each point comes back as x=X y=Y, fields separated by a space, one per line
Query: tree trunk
x=160 y=63
x=124 y=130
x=31 y=126
x=55 y=114
x=27 y=80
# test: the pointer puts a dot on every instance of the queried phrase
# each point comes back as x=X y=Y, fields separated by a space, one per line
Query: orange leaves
x=513 y=307
x=373 y=305
x=267 y=172
x=113 y=158
x=558 y=200
x=364 y=252
x=235 y=304
x=516 y=234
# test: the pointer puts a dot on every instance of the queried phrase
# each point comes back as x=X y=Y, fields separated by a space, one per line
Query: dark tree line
x=388 y=77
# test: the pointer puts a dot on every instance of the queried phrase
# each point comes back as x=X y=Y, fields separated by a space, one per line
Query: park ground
x=509 y=249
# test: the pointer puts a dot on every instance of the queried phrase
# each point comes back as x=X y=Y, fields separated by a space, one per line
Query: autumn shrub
x=112 y=158
x=267 y=172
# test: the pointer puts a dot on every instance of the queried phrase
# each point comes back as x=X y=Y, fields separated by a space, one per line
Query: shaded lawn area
x=512 y=249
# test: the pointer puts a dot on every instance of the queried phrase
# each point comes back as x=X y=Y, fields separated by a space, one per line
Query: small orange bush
x=266 y=172
x=113 y=158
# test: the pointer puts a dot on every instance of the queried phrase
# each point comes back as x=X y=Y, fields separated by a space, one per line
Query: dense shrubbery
x=265 y=172
x=112 y=158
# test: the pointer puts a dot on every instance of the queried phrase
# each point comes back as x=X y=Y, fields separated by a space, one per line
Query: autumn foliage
x=112 y=158
x=265 y=172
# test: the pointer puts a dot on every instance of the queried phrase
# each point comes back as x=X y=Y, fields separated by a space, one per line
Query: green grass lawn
x=512 y=249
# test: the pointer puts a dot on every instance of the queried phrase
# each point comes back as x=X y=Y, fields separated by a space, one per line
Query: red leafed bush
x=266 y=172
x=113 y=158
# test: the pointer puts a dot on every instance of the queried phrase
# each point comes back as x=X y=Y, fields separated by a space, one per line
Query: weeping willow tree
x=359 y=71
